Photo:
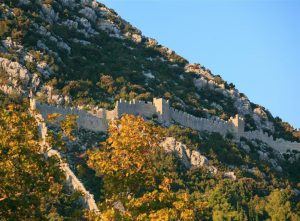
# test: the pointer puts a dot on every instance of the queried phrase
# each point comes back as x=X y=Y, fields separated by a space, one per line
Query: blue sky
x=253 y=44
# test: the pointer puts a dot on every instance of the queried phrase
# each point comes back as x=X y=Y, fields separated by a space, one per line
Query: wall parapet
x=166 y=114
x=74 y=183
x=85 y=119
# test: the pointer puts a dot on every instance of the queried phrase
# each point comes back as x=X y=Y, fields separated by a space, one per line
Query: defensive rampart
x=71 y=179
x=85 y=119
x=166 y=114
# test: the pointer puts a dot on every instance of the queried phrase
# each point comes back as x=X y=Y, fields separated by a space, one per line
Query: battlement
x=166 y=114
x=85 y=119
x=73 y=182
x=134 y=107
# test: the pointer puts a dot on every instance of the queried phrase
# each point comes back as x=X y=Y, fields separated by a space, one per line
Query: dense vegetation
x=31 y=187
x=104 y=69
x=143 y=182
x=139 y=181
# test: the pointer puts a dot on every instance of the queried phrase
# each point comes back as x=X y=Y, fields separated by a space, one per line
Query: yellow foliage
x=52 y=118
x=68 y=125
x=28 y=182
x=187 y=214
x=128 y=154
x=164 y=215
x=91 y=216
x=3 y=27
x=138 y=173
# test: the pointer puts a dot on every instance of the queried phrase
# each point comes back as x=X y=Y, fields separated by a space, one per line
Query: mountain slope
x=85 y=54
x=82 y=54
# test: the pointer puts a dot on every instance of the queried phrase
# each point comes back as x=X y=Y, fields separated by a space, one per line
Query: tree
x=107 y=83
x=139 y=177
x=31 y=188
x=68 y=126
x=3 y=27
x=278 y=205
x=128 y=159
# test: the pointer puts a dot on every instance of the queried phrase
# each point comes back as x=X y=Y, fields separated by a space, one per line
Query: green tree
x=278 y=205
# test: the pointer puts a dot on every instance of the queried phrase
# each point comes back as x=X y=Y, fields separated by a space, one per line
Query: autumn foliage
x=138 y=175
x=31 y=187
x=129 y=154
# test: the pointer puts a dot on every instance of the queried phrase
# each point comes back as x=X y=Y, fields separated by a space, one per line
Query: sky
x=253 y=44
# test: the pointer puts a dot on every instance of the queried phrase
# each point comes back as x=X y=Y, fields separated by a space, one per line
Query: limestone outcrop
x=18 y=77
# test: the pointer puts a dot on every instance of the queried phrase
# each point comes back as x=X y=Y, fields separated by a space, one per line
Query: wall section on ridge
x=168 y=115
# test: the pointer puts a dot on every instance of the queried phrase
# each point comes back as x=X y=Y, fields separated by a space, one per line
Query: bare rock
x=137 y=38
x=170 y=145
x=198 y=160
x=212 y=169
x=230 y=175
x=15 y=71
x=151 y=42
x=89 y=14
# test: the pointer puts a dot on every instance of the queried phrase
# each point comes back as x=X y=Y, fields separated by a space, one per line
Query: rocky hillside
x=80 y=53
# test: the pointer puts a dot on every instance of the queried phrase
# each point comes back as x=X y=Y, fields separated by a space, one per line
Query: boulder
x=230 y=175
x=198 y=160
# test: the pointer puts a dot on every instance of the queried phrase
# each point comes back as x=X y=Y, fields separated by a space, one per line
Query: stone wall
x=201 y=124
x=73 y=182
x=279 y=144
x=141 y=108
x=85 y=119
x=98 y=121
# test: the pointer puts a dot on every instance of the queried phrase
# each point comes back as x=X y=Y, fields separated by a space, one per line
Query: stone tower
x=162 y=108
x=238 y=125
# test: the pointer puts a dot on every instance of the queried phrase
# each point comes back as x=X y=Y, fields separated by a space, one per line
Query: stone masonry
x=167 y=115
x=73 y=182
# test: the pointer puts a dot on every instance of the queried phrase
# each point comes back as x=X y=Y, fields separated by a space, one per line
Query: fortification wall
x=111 y=114
x=71 y=179
x=279 y=144
x=85 y=120
x=162 y=108
x=74 y=183
x=201 y=124
x=141 y=108
x=100 y=113
x=98 y=121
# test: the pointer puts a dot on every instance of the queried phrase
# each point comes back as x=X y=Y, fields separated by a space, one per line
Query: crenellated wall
x=73 y=182
x=165 y=114
x=280 y=145
x=85 y=119
x=142 y=108
x=201 y=124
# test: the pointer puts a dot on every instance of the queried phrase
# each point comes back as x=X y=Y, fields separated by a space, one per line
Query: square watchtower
x=238 y=124
x=162 y=108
